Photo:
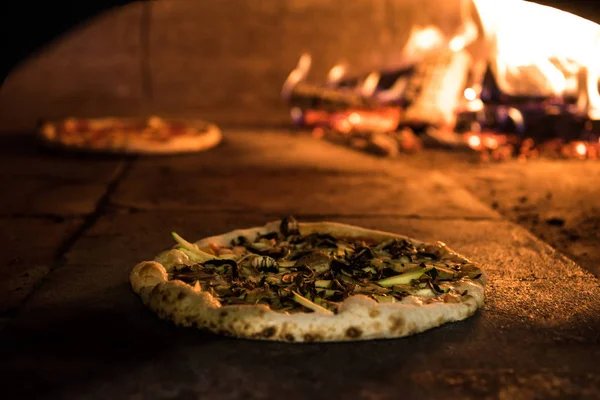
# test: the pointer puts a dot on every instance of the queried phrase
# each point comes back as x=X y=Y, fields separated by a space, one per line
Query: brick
x=50 y=197
x=22 y=159
x=295 y=187
x=30 y=249
x=93 y=70
x=86 y=310
x=209 y=59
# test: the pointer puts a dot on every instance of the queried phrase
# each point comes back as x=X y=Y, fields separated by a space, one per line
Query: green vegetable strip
x=403 y=279
x=196 y=257
x=310 y=305
x=197 y=254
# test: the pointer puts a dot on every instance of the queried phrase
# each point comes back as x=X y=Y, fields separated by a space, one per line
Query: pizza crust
x=359 y=317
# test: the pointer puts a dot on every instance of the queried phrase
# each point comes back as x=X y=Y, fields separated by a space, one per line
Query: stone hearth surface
x=72 y=327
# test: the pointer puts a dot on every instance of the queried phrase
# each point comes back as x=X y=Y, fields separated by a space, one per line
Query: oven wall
x=223 y=60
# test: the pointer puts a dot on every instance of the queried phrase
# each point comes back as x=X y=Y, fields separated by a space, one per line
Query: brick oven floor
x=74 y=227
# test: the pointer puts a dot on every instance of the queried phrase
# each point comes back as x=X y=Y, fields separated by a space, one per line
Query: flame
x=343 y=125
x=538 y=49
x=475 y=105
x=581 y=149
x=474 y=141
x=297 y=75
x=457 y=43
x=354 y=118
x=304 y=62
x=381 y=120
x=336 y=73
x=370 y=84
x=428 y=37
x=422 y=39
x=491 y=142
x=470 y=94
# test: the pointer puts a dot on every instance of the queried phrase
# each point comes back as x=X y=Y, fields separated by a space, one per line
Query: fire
x=354 y=118
x=491 y=142
x=297 y=75
x=304 y=62
x=470 y=94
x=336 y=73
x=581 y=149
x=544 y=60
x=426 y=38
x=474 y=141
x=370 y=84
x=457 y=43
x=543 y=74
x=383 y=120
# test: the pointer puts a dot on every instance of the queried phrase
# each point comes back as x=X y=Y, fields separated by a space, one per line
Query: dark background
x=28 y=26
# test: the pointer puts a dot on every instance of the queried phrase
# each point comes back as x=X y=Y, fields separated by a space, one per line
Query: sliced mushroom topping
x=291 y=272
x=289 y=226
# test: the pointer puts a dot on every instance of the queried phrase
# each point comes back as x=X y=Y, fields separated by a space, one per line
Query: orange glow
x=314 y=117
x=427 y=38
x=470 y=94
x=297 y=75
x=457 y=43
x=491 y=142
x=581 y=149
x=296 y=114
x=343 y=125
x=304 y=62
x=336 y=73
x=318 y=132
x=370 y=84
x=540 y=61
x=474 y=141
x=354 y=118
x=382 y=120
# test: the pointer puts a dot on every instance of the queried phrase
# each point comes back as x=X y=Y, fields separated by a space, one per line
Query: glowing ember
x=315 y=117
x=342 y=125
x=470 y=94
x=581 y=149
x=492 y=85
x=474 y=141
x=354 y=118
x=491 y=142
x=457 y=43
x=382 y=120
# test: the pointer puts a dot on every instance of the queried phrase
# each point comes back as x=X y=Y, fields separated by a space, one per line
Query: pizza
x=310 y=282
x=153 y=135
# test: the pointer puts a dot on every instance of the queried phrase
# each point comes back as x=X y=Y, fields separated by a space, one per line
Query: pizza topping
x=191 y=250
x=309 y=304
x=293 y=272
x=289 y=226
x=404 y=278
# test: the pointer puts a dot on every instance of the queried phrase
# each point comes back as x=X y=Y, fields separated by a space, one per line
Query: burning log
x=436 y=88
x=312 y=97
x=385 y=144
x=523 y=95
